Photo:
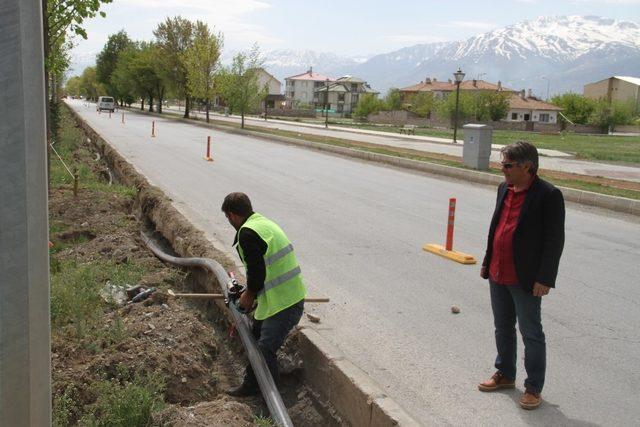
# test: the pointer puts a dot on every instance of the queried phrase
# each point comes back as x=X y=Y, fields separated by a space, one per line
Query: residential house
x=441 y=89
x=301 y=89
x=275 y=98
x=616 y=88
x=343 y=94
x=531 y=109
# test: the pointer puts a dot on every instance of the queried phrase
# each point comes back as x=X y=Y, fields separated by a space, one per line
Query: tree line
x=182 y=62
x=478 y=105
x=494 y=106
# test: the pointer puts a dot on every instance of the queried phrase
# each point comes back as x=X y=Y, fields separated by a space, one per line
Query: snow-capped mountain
x=562 y=52
x=286 y=63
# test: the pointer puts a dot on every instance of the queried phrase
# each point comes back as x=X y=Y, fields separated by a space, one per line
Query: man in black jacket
x=525 y=243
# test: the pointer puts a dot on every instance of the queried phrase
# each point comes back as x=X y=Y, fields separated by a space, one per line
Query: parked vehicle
x=105 y=103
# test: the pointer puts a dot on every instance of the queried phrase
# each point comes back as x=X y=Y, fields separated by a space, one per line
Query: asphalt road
x=550 y=159
x=358 y=229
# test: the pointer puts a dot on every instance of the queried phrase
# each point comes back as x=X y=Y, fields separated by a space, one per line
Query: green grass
x=74 y=292
x=591 y=147
x=125 y=402
x=70 y=142
x=264 y=421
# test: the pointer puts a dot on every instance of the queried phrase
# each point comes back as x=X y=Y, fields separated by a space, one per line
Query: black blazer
x=539 y=235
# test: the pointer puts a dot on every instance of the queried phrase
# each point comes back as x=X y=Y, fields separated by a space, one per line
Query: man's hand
x=484 y=272
x=540 y=290
x=246 y=300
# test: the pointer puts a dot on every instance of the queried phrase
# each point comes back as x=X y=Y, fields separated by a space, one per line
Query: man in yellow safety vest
x=273 y=280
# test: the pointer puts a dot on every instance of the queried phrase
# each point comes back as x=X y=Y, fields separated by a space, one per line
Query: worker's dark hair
x=522 y=152
x=237 y=203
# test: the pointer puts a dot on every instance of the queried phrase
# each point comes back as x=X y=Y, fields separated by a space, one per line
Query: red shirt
x=502 y=269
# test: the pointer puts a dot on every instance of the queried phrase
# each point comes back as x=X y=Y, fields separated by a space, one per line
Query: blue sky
x=351 y=28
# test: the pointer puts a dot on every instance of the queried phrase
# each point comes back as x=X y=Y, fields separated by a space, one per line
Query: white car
x=105 y=103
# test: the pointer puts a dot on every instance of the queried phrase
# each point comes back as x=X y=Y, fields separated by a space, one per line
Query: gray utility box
x=477 y=146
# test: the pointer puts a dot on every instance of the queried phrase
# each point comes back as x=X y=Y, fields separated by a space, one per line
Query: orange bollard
x=452 y=217
x=208 y=157
x=153 y=129
x=447 y=251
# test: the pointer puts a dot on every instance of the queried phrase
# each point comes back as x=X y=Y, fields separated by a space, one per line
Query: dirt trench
x=187 y=344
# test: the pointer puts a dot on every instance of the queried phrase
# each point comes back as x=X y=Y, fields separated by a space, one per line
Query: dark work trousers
x=510 y=302
x=270 y=334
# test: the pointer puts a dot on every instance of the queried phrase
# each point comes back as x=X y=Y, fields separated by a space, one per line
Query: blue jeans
x=510 y=303
x=270 y=334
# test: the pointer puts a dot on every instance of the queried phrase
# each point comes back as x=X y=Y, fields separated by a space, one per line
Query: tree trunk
x=142 y=104
x=207 y=110
x=242 y=116
x=150 y=103
x=160 y=94
x=187 y=106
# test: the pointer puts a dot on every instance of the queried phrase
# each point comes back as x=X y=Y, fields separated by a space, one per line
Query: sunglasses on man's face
x=508 y=165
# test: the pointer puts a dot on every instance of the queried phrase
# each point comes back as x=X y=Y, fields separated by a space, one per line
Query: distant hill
x=568 y=50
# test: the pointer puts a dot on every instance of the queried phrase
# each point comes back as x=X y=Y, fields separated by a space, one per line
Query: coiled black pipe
x=265 y=380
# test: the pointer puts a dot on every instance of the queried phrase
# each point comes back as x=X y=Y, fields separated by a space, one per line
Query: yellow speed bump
x=456 y=256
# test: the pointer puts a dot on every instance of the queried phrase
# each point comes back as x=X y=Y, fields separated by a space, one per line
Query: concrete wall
x=25 y=344
x=613 y=89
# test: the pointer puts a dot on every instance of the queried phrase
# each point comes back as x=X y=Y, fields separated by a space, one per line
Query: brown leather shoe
x=530 y=400
x=496 y=382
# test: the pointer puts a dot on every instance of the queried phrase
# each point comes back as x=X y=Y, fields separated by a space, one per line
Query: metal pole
x=455 y=120
x=25 y=342
x=326 y=108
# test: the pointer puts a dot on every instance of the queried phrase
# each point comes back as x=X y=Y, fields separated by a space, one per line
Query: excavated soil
x=188 y=343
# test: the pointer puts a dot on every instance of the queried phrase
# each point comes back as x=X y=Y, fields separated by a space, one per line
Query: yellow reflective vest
x=283 y=285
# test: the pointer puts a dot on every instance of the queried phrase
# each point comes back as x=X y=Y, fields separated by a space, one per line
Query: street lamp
x=458 y=76
x=548 y=81
x=326 y=101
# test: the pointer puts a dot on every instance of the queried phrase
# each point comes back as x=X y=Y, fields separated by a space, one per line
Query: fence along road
x=358 y=229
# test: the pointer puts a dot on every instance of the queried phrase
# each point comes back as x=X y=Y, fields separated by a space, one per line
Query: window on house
x=514 y=116
x=544 y=118
x=341 y=97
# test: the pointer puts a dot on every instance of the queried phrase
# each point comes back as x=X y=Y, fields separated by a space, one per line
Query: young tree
x=122 y=79
x=393 y=99
x=202 y=63
x=368 y=104
x=107 y=61
x=174 y=37
x=239 y=84
x=497 y=104
x=72 y=87
x=608 y=115
x=89 y=84
x=447 y=107
x=575 y=107
x=422 y=103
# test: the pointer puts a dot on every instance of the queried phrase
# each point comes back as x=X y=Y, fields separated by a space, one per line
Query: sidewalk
x=549 y=159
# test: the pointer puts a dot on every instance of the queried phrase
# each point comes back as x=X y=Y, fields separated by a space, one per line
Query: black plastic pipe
x=265 y=380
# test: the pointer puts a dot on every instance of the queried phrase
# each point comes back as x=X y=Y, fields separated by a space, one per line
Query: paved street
x=550 y=159
x=358 y=229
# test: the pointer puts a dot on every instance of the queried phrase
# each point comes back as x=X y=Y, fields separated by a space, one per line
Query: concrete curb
x=614 y=203
x=357 y=399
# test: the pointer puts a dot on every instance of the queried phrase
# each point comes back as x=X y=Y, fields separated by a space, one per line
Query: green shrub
x=125 y=402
